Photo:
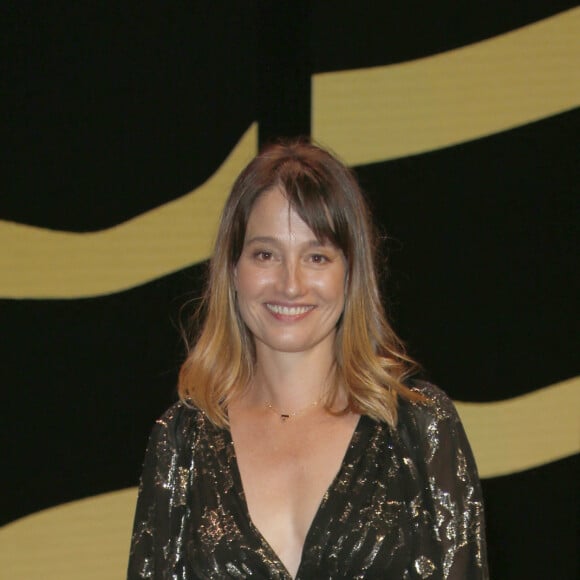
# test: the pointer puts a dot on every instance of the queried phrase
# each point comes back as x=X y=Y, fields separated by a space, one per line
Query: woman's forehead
x=274 y=216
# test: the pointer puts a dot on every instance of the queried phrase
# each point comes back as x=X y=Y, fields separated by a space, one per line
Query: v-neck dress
x=406 y=503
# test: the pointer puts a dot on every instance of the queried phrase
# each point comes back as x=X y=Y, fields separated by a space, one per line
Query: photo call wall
x=125 y=124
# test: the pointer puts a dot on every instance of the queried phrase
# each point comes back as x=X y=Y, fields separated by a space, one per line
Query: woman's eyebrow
x=313 y=243
x=262 y=240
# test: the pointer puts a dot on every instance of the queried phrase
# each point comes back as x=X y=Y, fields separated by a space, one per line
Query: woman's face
x=290 y=287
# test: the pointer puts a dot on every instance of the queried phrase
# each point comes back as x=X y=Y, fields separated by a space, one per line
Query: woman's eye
x=319 y=258
x=263 y=255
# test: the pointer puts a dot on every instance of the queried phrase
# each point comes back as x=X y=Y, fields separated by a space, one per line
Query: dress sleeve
x=160 y=512
x=453 y=490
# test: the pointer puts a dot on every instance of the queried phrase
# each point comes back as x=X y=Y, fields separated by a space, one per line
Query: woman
x=300 y=447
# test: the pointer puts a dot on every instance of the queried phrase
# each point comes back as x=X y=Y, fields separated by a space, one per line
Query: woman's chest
x=364 y=521
x=285 y=475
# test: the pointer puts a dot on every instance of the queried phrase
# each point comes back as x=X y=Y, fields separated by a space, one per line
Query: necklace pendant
x=286 y=416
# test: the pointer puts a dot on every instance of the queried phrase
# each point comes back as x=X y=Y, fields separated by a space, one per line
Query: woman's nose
x=292 y=279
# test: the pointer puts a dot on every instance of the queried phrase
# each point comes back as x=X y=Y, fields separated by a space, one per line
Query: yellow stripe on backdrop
x=524 y=432
x=40 y=263
x=374 y=114
x=82 y=540
x=89 y=539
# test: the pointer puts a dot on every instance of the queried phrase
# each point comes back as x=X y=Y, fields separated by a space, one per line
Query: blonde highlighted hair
x=371 y=362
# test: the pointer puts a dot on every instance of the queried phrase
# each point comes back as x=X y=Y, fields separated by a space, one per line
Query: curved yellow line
x=380 y=113
x=89 y=539
x=524 y=432
x=41 y=263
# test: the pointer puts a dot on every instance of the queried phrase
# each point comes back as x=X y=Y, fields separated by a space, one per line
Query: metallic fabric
x=405 y=504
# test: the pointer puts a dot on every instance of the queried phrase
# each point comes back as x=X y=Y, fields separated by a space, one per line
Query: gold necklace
x=286 y=416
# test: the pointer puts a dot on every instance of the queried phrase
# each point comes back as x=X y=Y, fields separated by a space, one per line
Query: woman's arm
x=156 y=549
x=454 y=491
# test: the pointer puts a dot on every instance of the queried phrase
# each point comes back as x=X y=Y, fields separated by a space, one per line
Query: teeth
x=288 y=310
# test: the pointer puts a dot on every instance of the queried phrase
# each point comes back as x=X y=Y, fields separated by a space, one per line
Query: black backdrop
x=112 y=109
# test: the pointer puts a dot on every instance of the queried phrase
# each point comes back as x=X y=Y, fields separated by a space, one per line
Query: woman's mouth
x=290 y=311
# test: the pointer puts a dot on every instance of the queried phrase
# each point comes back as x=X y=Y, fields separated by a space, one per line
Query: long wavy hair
x=371 y=363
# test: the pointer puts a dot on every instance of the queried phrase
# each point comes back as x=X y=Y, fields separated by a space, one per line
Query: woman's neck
x=290 y=382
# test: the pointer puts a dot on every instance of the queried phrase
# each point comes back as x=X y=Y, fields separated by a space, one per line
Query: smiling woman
x=301 y=447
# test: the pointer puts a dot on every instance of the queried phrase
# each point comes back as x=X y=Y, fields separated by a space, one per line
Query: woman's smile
x=288 y=313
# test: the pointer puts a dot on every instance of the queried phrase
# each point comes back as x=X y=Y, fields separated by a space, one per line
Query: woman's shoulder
x=435 y=408
x=433 y=425
x=177 y=424
x=178 y=412
x=436 y=399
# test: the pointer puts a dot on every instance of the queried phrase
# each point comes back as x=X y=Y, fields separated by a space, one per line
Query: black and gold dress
x=405 y=504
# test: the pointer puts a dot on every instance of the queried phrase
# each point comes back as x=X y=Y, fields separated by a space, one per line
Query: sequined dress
x=405 y=504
